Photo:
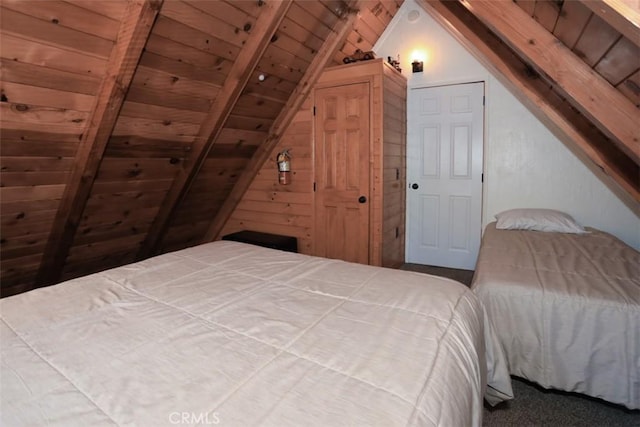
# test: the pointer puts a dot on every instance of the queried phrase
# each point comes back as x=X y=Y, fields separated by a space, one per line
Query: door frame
x=485 y=133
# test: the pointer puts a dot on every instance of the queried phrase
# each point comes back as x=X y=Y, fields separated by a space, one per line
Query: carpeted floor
x=536 y=406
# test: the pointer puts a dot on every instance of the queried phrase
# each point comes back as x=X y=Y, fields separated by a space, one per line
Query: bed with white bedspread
x=233 y=334
x=566 y=309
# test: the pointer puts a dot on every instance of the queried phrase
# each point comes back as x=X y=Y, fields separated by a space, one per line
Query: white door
x=444 y=174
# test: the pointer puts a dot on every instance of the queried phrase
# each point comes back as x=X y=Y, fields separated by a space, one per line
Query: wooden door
x=342 y=170
x=444 y=171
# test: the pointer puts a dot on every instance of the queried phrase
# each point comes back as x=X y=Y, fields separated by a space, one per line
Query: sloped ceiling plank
x=571 y=22
x=623 y=15
x=301 y=92
x=528 y=6
x=265 y=27
x=565 y=122
x=615 y=66
x=610 y=111
x=630 y=87
x=546 y=13
x=133 y=33
x=595 y=41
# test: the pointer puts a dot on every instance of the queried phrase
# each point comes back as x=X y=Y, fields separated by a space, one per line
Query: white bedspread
x=566 y=308
x=236 y=335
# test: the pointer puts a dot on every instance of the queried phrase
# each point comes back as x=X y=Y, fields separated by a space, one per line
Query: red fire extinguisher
x=284 y=167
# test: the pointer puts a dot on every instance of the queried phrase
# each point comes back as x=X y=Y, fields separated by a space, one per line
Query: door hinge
x=397 y=232
x=482 y=177
x=314 y=187
x=397 y=173
x=314 y=110
x=483 y=98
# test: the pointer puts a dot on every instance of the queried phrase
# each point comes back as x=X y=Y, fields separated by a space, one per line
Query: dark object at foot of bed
x=273 y=241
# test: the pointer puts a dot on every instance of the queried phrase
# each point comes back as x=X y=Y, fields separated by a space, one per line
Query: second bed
x=566 y=308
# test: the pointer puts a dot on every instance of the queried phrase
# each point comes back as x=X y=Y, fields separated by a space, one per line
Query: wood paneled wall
x=283 y=64
x=186 y=59
x=283 y=209
x=374 y=19
x=35 y=167
x=53 y=59
x=394 y=172
x=289 y=209
x=127 y=124
x=188 y=125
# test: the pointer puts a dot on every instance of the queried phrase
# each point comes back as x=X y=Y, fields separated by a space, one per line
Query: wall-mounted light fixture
x=417 y=66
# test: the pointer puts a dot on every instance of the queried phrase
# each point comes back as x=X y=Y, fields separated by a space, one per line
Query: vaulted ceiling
x=575 y=64
x=133 y=127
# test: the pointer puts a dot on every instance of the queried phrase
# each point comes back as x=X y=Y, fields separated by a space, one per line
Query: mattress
x=566 y=309
x=233 y=334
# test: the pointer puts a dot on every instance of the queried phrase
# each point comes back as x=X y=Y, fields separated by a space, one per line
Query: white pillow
x=538 y=220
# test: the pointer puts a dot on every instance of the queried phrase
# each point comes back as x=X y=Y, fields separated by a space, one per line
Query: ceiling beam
x=271 y=15
x=613 y=113
x=623 y=15
x=324 y=56
x=133 y=33
x=611 y=165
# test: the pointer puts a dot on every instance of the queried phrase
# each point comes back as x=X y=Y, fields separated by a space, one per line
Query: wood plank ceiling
x=133 y=127
x=126 y=124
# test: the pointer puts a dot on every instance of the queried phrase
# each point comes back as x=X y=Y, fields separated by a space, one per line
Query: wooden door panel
x=343 y=242
x=342 y=140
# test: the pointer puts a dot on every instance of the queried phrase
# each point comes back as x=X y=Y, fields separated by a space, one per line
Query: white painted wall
x=525 y=164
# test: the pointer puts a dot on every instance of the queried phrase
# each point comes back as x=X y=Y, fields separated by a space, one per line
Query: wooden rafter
x=134 y=31
x=615 y=169
x=606 y=107
x=272 y=14
x=297 y=98
x=623 y=15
